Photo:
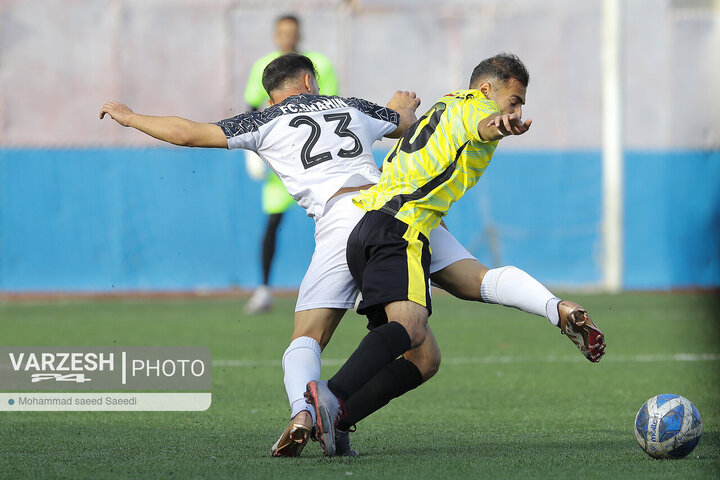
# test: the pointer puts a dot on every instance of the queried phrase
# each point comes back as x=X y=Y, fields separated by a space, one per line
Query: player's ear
x=307 y=81
x=486 y=89
x=310 y=83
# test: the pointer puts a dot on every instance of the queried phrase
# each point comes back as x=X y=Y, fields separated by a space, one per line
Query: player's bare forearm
x=405 y=103
x=175 y=130
x=498 y=126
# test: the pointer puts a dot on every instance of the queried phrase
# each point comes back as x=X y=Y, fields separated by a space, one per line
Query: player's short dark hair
x=288 y=17
x=502 y=67
x=286 y=67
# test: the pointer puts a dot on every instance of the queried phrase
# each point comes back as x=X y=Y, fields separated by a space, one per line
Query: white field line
x=495 y=360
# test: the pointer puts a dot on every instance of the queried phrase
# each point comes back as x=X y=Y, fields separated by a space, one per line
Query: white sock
x=301 y=363
x=551 y=311
x=512 y=287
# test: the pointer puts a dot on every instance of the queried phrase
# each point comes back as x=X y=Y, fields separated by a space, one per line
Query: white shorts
x=328 y=283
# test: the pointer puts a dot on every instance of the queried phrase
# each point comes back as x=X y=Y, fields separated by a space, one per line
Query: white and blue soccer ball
x=668 y=426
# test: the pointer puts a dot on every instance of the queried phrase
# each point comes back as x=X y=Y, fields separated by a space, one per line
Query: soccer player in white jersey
x=320 y=147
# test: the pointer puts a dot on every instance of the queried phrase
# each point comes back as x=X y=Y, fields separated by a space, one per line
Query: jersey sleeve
x=383 y=119
x=475 y=111
x=241 y=131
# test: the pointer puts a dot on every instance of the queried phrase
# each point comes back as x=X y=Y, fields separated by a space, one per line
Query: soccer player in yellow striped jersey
x=433 y=164
x=446 y=152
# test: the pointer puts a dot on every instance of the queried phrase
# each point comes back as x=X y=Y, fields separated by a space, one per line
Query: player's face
x=287 y=36
x=509 y=96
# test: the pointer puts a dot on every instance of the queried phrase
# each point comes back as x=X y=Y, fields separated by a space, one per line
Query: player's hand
x=119 y=112
x=404 y=100
x=510 y=124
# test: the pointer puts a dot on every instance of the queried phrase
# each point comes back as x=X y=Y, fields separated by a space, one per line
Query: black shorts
x=390 y=261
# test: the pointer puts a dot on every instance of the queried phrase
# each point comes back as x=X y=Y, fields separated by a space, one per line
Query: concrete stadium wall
x=88 y=205
x=60 y=60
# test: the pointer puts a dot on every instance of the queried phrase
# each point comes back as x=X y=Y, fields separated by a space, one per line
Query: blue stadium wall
x=187 y=219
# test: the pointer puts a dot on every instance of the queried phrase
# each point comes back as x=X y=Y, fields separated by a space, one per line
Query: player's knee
x=416 y=333
x=415 y=326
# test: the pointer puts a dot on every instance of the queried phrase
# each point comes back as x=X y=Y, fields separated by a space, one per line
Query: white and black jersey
x=316 y=144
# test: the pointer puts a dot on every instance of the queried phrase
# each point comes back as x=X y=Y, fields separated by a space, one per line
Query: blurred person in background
x=275 y=198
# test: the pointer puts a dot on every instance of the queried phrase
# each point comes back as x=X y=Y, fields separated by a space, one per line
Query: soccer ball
x=668 y=426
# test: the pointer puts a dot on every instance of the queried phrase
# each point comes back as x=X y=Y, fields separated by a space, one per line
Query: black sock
x=394 y=380
x=268 y=244
x=379 y=347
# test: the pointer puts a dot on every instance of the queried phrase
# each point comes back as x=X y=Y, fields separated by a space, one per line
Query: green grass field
x=513 y=398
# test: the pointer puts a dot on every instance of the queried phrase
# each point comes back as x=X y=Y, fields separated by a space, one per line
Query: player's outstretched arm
x=497 y=126
x=405 y=103
x=175 y=130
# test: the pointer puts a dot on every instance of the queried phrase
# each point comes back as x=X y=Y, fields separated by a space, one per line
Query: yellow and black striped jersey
x=434 y=163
